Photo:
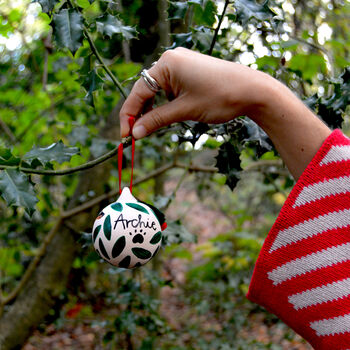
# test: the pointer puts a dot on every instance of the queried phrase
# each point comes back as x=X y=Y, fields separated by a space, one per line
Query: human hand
x=199 y=87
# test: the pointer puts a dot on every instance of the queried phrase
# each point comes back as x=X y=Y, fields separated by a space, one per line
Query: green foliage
x=17 y=190
x=57 y=91
x=57 y=152
x=68 y=29
x=109 y=25
x=246 y=10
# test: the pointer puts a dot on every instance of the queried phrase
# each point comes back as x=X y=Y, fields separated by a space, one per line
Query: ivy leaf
x=92 y=82
x=229 y=163
x=57 y=152
x=247 y=9
x=7 y=158
x=17 y=190
x=110 y=25
x=47 y=5
x=68 y=29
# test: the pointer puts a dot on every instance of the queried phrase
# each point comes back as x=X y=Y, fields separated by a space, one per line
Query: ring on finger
x=150 y=82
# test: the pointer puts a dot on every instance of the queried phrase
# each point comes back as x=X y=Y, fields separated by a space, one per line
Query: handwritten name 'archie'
x=135 y=223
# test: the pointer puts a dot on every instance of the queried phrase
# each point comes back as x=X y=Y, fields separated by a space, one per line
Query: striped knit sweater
x=303 y=271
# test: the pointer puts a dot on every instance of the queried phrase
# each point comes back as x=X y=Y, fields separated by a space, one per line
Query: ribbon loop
x=120 y=157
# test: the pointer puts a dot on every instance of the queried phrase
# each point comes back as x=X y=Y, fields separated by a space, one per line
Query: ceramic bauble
x=128 y=232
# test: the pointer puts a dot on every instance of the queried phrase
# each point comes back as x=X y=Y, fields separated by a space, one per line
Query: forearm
x=294 y=130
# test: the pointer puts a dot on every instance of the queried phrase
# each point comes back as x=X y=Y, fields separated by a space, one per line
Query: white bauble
x=127 y=233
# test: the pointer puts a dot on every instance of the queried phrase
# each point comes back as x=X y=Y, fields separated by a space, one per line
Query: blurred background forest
x=66 y=66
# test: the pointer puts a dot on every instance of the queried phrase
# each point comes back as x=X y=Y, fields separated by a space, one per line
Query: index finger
x=137 y=100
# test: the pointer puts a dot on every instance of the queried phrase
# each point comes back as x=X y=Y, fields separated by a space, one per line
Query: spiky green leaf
x=17 y=190
x=109 y=25
x=47 y=5
x=68 y=29
x=57 y=152
x=7 y=158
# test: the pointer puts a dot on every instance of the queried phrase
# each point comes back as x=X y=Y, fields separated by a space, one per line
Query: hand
x=200 y=87
x=210 y=90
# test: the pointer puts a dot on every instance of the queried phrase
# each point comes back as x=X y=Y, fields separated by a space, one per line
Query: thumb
x=164 y=115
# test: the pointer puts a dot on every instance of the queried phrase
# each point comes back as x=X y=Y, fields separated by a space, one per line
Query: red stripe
x=275 y=298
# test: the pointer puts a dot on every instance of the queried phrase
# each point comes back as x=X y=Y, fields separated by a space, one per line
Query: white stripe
x=311 y=262
x=323 y=189
x=311 y=228
x=319 y=295
x=336 y=154
x=332 y=326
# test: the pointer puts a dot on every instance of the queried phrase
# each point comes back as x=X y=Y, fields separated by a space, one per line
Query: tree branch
x=99 y=57
x=81 y=167
x=218 y=28
x=104 y=66
x=87 y=205
x=7 y=131
x=34 y=263
x=114 y=193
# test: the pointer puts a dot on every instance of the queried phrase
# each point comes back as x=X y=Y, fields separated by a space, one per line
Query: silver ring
x=150 y=82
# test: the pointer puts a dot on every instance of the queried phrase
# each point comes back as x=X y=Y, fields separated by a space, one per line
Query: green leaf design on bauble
x=103 y=249
x=107 y=227
x=156 y=238
x=141 y=253
x=137 y=207
x=118 y=247
x=125 y=262
x=96 y=231
x=117 y=206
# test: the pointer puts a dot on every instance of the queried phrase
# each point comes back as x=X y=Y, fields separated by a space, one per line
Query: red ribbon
x=120 y=157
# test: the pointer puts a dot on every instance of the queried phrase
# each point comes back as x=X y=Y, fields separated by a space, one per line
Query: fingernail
x=139 y=132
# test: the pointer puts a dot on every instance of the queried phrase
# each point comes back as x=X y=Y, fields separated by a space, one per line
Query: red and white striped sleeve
x=302 y=274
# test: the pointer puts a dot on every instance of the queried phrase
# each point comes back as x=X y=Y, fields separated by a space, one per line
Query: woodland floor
x=79 y=334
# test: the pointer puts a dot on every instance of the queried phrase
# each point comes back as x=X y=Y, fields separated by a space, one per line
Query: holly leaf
x=110 y=25
x=57 y=152
x=255 y=137
x=203 y=37
x=205 y=15
x=91 y=82
x=68 y=29
x=177 y=9
x=176 y=233
x=17 y=190
x=182 y=39
x=47 y=5
x=7 y=158
x=229 y=163
x=247 y=9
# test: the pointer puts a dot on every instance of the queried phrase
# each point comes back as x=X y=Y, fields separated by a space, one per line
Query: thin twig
x=104 y=66
x=99 y=57
x=173 y=195
x=7 y=131
x=81 y=167
x=218 y=28
x=114 y=193
x=34 y=263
